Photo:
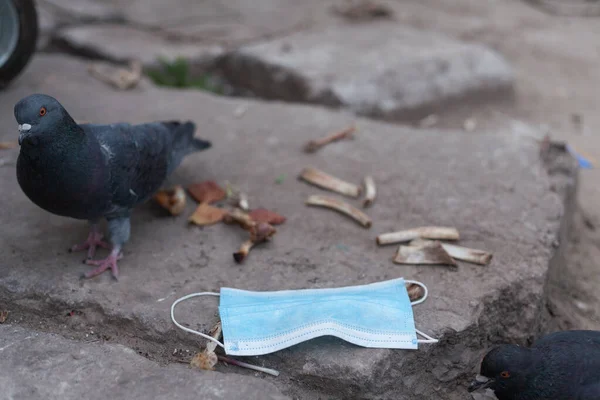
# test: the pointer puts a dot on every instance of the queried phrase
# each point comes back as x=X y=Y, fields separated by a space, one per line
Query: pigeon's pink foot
x=93 y=241
x=109 y=262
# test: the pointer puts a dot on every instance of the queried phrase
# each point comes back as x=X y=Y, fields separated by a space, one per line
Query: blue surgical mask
x=376 y=315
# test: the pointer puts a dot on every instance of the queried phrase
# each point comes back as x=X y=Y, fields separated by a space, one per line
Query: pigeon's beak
x=480 y=383
x=23 y=132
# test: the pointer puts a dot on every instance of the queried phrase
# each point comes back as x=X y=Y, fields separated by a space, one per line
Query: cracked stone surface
x=572 y=8
x=48 y=366
x=492 y=187
x=223 y=21
x=54 y=14
x=294 y=51
x=121 y=43
x=84 y=10
x=384 y=70
x=211 y=22
x=150 y=28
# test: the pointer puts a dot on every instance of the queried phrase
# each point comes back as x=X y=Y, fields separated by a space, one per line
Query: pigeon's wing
x=574 y=336
x=138 y=158
x=573 y=366
x=588 y=370
x=590 y=392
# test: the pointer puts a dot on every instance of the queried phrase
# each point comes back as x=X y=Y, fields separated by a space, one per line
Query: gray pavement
x=493 y=188
x=292 y=51
x=39 y=365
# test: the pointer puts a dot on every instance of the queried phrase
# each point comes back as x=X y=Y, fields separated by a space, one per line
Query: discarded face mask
x=377 y=315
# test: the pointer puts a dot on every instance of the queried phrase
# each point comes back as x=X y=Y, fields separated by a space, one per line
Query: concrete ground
x=555 y=57
x=489 y=182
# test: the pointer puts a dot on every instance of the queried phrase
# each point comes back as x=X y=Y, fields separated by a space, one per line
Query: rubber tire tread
x=26 y=45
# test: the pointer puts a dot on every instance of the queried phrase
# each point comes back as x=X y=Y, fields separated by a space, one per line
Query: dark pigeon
x=90 y=172
x=559 y=366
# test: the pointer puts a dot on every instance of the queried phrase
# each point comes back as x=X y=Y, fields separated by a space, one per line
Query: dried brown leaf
x=172 y=200
x=243 y=252
x=370 y=191
x=316 y=144
x=118 y=77
x=206 y=192
x=215 y=332
x=341 y=207
x=424 y=232
x=3 y=316
x=205 y=360
x=427 y=253
x=326 y=181
x=264 y=215
x=206 y=214
x=239 y=217
x=259 y=232
x=262 y=231
x=474 y=256
x=415 y=292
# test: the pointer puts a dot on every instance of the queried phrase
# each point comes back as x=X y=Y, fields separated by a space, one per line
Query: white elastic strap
x=425 y=294
x=428 y=338
x=230 y=360
x=189 y=296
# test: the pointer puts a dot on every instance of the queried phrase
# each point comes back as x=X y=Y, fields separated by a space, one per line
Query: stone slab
x=384 y=69
x=182 y=27
x=493 y=188
x=221 y=21
x=121 y=43
x=47 y=366
x=83 y=11
x=54 y=14
x=572 y=8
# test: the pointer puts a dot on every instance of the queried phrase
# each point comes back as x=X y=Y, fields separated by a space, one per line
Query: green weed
x=177 y=74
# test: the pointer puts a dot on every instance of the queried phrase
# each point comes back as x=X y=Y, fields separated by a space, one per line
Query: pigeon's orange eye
x=505 y=374
x=42 y=111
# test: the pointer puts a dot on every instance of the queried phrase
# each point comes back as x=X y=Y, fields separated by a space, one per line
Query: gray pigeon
x=559 y=366
x=88 y=171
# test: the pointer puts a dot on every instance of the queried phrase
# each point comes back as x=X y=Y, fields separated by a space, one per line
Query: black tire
x=26 y=44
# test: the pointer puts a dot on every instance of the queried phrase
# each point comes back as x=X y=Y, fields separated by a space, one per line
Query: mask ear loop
x=428 y=339
x=425 y=292
x=231 y=361
x=189 y=296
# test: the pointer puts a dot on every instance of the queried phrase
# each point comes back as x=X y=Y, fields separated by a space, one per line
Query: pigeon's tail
x=199 y=144
x=184 y=142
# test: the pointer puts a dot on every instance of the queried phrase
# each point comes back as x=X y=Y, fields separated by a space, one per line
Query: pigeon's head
x=39 y=115
x=504 y=369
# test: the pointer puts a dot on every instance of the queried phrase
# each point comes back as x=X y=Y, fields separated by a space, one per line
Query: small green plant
x=279 y=180
x=177 y=74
